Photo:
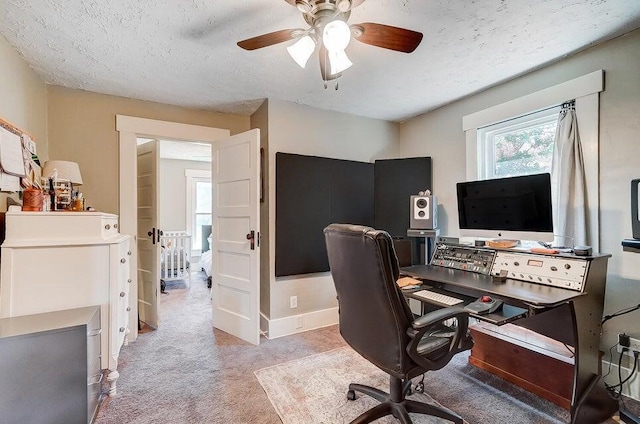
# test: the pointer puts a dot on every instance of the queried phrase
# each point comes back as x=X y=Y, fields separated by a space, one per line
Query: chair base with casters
x=396 y=404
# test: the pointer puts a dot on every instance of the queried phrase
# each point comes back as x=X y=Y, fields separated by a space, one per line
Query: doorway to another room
x=235 y=213
x=174 y=203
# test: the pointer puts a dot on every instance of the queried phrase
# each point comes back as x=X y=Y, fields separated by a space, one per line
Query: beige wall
x=305 y=130
x=82 y=129
x=439 y=134
x=23 y=100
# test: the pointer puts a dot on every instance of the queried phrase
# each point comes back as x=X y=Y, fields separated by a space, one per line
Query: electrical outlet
x=634 y=344
x=293 y=302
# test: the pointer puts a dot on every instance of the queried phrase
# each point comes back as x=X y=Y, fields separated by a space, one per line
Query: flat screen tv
x=517 y=208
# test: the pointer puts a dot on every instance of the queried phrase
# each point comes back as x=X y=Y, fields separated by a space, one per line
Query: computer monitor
x=517 y=208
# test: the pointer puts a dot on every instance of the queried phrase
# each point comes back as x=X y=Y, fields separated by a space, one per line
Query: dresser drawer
x=60 y=225
x=109 y=226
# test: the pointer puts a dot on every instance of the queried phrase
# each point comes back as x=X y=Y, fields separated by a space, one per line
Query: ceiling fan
x=328 y=30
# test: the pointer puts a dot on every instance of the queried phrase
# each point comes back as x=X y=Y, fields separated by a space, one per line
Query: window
x=198 y=204
x=585 y=90
x=519 y=146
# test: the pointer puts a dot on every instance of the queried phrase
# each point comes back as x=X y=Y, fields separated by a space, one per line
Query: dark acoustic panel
x=352 y=193
x=311 y=193
x=395 y=181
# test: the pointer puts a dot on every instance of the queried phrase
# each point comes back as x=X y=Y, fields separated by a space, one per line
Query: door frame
x=129 y=129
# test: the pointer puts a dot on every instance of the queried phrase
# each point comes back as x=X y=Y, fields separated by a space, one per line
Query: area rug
x=313 y=390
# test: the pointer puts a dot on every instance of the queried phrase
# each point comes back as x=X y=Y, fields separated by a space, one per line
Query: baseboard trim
x=281 y=327
x=631 y=388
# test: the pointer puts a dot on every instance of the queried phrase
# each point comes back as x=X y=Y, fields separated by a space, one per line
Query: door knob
x=251 y=237
x=152 y=234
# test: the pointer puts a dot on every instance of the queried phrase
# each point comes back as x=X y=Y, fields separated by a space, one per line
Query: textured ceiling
x=184 y=52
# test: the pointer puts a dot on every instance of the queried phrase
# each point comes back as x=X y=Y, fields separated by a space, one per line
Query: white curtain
x=570 y=208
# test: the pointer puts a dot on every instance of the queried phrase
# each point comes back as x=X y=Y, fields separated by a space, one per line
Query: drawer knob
x=122 y=294
x=129 y=281
x=123 y=260
x=107 y=227
x=128 y=308
x=115 y=226
x=129 y=253
x=122 y=329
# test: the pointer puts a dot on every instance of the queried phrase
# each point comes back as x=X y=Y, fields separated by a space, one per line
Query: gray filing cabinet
x=50 y=367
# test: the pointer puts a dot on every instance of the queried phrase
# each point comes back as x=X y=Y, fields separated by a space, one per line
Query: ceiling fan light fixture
x=301 y=50
x=338 y=61
x=336 y=35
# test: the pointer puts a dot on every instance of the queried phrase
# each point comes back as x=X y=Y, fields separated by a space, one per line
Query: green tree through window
x=524 y=152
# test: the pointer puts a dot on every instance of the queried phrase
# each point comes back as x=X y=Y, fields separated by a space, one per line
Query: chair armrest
x=459 y=341
x=437 y=316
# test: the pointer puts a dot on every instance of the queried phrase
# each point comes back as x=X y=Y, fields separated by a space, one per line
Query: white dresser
x=52 y=261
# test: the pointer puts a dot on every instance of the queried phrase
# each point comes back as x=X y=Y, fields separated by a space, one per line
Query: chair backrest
x=374 y=315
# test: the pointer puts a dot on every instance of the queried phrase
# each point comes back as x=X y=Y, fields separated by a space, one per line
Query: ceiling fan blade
x=325 y=66
x=269 y=39
x=387 y=37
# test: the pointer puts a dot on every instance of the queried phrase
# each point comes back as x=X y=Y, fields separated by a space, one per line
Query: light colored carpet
x=188 y=372
x=313 y=390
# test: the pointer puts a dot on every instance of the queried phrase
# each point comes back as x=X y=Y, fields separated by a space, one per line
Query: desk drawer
x=527 y=359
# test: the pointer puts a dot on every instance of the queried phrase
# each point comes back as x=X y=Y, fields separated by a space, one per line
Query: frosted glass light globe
x=336 y=35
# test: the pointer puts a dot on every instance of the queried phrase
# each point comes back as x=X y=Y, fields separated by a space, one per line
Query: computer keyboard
x=438 y=297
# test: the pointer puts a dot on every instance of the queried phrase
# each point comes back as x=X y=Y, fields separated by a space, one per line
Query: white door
x=148 y=237
x=235 y=235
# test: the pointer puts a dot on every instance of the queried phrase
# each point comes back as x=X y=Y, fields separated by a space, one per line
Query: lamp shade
x=65 y=170
x=338 y=61
x=336 y=35
x=301 y=50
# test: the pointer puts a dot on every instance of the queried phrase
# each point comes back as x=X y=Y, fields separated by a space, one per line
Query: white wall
x=173 y=194
x=309 y=131
x=439 y=134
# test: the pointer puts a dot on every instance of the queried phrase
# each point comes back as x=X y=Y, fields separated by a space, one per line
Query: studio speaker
x=424 y=211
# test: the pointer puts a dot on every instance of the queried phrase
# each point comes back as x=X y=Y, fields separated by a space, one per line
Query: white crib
x=175 y=257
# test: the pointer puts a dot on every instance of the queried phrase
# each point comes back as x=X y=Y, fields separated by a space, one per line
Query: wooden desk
x=571 y=317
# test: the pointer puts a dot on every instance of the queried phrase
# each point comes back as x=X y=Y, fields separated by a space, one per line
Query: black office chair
x=375 y=320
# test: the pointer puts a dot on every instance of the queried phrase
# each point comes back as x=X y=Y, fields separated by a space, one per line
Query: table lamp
x=66 y=171
x=62 y=171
